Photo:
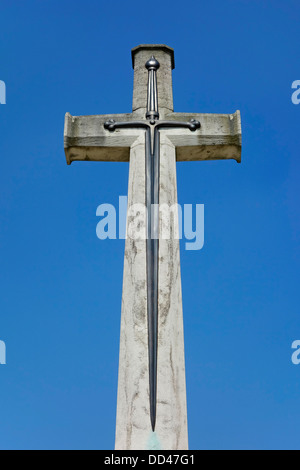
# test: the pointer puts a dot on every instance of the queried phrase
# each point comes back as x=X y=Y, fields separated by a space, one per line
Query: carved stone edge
x=151 y=48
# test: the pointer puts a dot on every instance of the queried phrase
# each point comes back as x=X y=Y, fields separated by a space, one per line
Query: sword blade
x=152 y=201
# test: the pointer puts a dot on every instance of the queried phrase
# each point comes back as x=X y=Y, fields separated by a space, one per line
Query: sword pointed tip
x=153 y=423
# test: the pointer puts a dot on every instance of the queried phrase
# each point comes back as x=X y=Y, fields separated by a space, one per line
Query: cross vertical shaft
x=162 y=319
x=152 y=168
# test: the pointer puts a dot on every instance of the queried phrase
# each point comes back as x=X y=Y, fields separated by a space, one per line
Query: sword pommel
x=152 y=64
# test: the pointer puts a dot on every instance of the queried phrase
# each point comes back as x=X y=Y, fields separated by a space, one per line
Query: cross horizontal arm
x=219 y=137
x=85 y=138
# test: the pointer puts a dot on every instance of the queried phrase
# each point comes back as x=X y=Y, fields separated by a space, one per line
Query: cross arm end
x=86 y=139
x=219 y=137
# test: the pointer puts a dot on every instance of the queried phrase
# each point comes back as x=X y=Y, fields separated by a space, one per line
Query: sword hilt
x=152 y=65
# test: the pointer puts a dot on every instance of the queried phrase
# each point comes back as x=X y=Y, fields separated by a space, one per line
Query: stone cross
x=151 y=388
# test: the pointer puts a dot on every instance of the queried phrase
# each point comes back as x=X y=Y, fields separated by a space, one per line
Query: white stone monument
x=151 y=408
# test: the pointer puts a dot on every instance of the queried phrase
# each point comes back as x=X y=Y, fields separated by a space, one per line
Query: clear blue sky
x=61 y=286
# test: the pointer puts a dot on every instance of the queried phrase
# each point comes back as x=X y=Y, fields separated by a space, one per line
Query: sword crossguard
x=110 y=125
x=194 y=125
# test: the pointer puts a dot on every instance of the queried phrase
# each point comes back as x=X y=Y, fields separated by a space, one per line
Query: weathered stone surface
x=165 y=56
x=218 y=138
x=86 y=139
x=133 y=429
x=133 y=423
x=171 y=384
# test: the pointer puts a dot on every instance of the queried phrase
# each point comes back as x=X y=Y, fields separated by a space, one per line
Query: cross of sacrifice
x=151 y=404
